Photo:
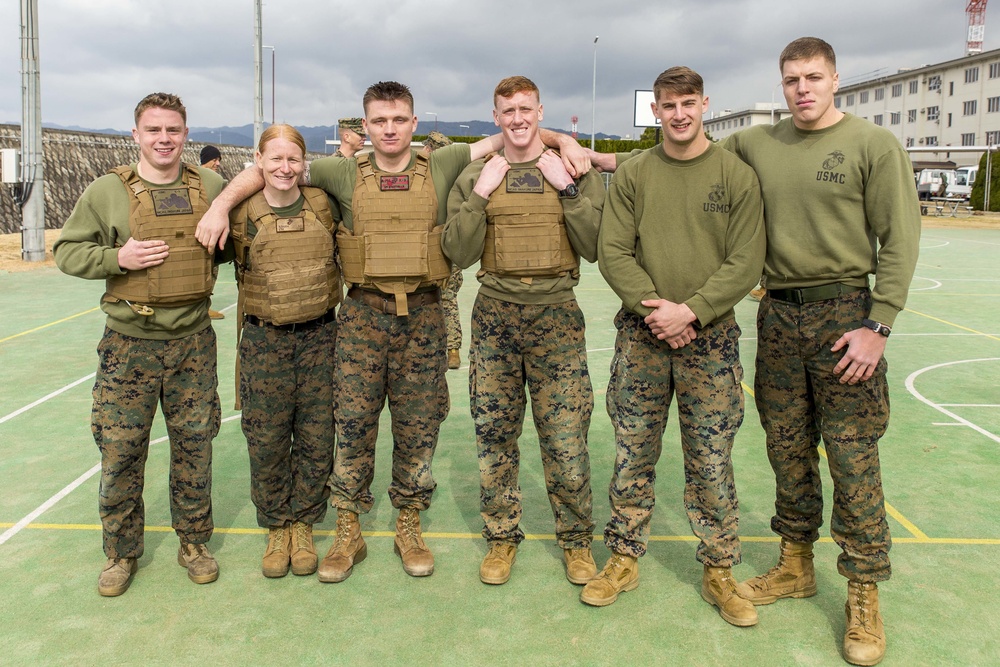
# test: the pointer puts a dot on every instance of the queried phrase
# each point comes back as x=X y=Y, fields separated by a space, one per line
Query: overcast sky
x=99 y=57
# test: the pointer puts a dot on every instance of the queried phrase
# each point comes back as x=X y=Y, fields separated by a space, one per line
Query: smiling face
x=517 y=117
x=809 y=86
x=282 y=163
x=161 y=134
x=390 y=126
x=680 y=116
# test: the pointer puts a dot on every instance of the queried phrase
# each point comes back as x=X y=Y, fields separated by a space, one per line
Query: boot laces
x=344 y=530
x=278 y=544
x=301 y=531
x=864 y=604
x=409 y=530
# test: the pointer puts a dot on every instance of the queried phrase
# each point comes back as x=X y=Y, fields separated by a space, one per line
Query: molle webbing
x=185 y=277
x=287 y=272
x=526 y=234
x=395 y=245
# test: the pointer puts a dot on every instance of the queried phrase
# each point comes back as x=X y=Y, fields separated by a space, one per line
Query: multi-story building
x=720 y=125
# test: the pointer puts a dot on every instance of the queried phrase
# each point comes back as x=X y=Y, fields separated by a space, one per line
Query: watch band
x=877 y=327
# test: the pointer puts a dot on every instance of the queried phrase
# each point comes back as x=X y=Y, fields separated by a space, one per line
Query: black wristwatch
x=570 y=192
x=877 y=327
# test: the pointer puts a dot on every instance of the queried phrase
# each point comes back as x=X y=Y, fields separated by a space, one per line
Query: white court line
x=935 y=284
x=20 y=525
x=45 y=398
x=965 y=422
x=964 y=240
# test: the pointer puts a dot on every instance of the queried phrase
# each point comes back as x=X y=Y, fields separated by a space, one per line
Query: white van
x=962 y=185
x=929 y=182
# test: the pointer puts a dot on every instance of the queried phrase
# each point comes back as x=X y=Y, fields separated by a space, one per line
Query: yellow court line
x=50 y=324
x=921 y=539
x=890 y=510
x=951 y=324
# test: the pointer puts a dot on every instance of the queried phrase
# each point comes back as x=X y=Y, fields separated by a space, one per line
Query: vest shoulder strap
x=318 y=202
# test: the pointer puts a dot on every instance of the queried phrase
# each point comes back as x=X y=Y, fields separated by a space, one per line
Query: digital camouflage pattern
x=287 y=391
x=542 y=346
x=449 y=301
x=382 y=356
x=133 y=374
x=705 y=376
x=800 y=399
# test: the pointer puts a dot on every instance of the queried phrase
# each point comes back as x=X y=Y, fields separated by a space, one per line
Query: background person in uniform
x=289 y=285
x=527 y=328
x=352 y=136
x=682 y=241
x=210 y=159
x=134 y=228
x=391 y=335
x=449 y=295
x=840 y=203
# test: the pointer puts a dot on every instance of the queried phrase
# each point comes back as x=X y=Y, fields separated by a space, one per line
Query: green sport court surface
x=939 y=466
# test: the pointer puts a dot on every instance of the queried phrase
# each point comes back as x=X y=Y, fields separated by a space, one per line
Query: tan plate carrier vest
x=171 y=215
x=286 y=273
x=395 y=245
x=526 y=233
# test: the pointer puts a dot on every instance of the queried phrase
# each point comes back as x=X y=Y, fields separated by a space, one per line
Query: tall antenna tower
x=976 y=11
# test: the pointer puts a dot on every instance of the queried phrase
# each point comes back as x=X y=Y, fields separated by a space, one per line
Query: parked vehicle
x=962 y=184
x=934 y=182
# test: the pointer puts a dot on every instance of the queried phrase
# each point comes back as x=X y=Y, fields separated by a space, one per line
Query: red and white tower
x=573 y=122
x=976 y=11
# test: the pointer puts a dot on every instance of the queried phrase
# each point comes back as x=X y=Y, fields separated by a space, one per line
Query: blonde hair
x=283 y=131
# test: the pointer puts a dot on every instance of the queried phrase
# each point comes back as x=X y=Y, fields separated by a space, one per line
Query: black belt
x=328 y=316
x=801 y=295
x=386 y=303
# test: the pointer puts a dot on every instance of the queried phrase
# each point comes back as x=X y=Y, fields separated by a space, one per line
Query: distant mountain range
x=316 y=136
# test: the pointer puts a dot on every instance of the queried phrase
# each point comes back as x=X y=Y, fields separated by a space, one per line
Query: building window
x=992 y=104
x=930 y=141
x=969 y=139
x=897 y=89
x=911 y=116
x=879 y=94
x=863 y=97
x=969 y=108
x=934 y=82
x=850 y=100
x=951 y=88
x=878 y=119
x=994 y=70
x=972 y=75
x=914 y=87
x=894 y=118
x=909 y=141
x=993 y=138
x=836 y=102
x=933 y=113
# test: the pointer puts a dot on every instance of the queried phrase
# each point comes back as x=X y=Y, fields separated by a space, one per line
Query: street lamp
x=593 y=113
x=431 y=113
x=466 y=133
x=272 y=80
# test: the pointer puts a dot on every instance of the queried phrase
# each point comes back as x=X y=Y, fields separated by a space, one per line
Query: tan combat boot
x=200 y=564
x=792 y=577
x=304 y=560
x=718 y=588
x=418 y=561
x=275 y=562
x=620 y=574
x=495 y=568
x=116 y=576
x=454 y=359
x=864 y=640
x=348 y=548
x=580 y=565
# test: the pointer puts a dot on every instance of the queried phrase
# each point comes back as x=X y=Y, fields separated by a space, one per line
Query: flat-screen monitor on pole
x=643 y=111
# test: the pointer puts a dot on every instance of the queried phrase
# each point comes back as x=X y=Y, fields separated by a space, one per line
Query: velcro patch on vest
x=171 y=201
x=297 y=224
x=525 y=180
x=401 y=182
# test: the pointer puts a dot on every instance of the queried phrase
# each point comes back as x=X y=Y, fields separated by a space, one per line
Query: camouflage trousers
x=799 y=400
x=403 y=359
x=449 y=301
x=133 y=375
x=543 y=347
x=287 y=391
x=705 y=375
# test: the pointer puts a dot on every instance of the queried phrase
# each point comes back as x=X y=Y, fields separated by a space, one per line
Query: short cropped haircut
x=806 y=48
x=513 y=85
x=160 y=101
x=283 y=131
x=678 y=81
x=387 y=91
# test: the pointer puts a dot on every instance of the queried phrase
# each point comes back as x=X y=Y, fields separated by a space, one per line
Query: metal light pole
x=31 y=195
x=431 y=113
x=258 y=84
x=593 y=113
x=272 y=81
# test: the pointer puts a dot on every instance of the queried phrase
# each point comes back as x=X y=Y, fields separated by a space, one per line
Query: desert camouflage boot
x=275 y=561
x=495 y=568
x=199 y=562
x=418 y=561
x=116 y=576
x=718 y=588
x=580 y=565
x=348 y=548
x=792 y=577
x=620 y=574
x=864 y=640
x=304 y=559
